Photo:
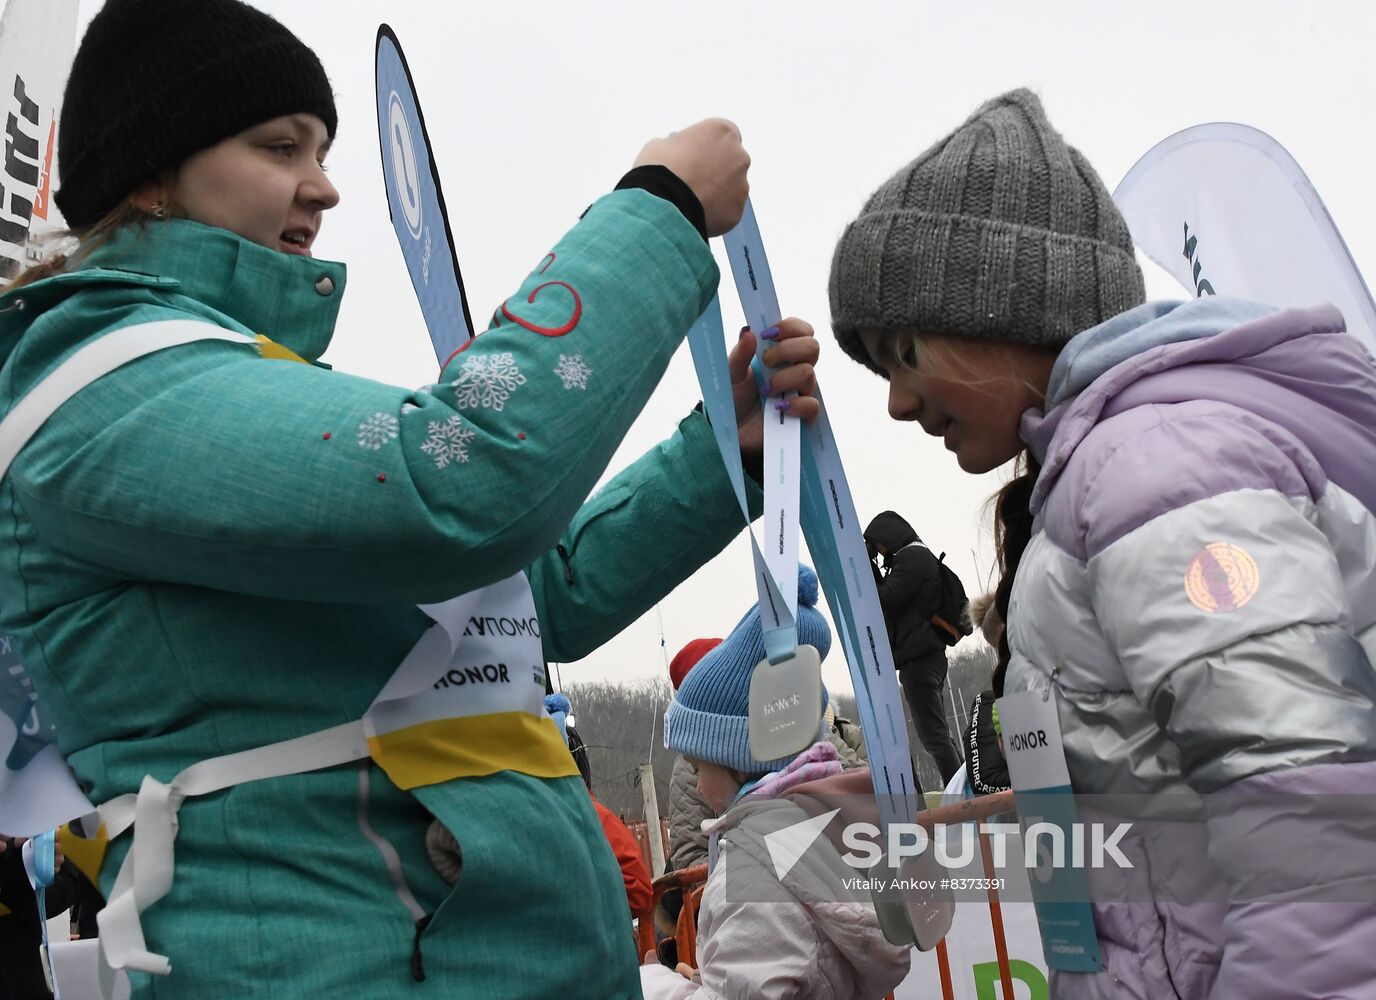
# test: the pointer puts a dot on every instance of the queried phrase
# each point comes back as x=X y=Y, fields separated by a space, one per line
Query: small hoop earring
x=159 y=210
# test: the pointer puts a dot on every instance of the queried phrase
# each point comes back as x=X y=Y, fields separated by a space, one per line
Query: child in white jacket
x=763 y=933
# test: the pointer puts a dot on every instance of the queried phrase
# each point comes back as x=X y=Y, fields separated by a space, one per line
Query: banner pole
x=943 y=963
x=996 y=918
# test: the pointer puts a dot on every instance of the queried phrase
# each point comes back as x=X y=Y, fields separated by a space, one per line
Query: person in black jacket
x=923 y=603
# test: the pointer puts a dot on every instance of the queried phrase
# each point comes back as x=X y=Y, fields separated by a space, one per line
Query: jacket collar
x=1109 y=366
x=292 y=300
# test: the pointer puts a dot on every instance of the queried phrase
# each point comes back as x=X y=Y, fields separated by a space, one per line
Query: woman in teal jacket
x=221 y=546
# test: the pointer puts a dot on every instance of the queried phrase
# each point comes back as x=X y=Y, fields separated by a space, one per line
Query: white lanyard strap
x=832 y=527
x=829 y=520
x=156 y=804
x=114 y=350
x=146 y=874
x=777 y=584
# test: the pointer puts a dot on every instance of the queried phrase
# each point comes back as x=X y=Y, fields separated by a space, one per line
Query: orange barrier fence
x=691 y=881
x=975 y=810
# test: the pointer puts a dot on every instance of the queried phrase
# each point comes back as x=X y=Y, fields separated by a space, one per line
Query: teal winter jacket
x=212 y=549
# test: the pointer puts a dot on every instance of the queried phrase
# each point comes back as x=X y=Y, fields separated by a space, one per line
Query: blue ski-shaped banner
x=416 y=201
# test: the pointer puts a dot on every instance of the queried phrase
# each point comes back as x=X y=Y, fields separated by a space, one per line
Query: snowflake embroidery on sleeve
x=573 y=371
x=448 y=441
x=487 y=380
x=377 y=430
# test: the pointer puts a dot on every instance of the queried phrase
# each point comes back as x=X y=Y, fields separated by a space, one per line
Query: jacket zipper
x=392 y=860
x=418 y=960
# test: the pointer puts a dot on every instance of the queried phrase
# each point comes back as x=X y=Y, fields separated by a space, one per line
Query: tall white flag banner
x=1225 y=210
x=37 y=42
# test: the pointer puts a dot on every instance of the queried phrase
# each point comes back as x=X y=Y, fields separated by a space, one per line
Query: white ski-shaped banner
x=37 y=43
x=1225 y=210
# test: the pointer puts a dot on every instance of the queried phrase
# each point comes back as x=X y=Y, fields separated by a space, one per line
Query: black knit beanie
x=1000 y=231
x=155 y=81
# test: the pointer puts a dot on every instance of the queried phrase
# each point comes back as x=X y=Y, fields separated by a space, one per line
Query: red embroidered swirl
x=549 y=331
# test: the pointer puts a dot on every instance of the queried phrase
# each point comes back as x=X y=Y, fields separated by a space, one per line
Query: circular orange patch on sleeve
x=1221 y=578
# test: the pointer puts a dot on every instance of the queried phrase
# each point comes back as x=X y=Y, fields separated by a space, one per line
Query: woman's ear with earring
x=152 y=198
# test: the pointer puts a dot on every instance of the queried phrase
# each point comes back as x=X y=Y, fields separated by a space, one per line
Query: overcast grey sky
x=536 y=109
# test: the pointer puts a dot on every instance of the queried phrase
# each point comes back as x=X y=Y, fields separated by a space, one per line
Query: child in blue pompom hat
x=709 y=716
x=765 y=931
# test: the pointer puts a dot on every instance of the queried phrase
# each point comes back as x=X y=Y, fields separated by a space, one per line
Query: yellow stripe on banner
x=470 y=747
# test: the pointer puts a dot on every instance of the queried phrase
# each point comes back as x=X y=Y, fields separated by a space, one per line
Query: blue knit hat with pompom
x=709 y=718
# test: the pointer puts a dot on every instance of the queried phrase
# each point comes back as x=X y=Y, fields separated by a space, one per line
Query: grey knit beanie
x=1000 y=231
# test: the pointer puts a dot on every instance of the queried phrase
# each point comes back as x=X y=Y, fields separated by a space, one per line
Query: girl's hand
x=686 y=971
x=794 y=345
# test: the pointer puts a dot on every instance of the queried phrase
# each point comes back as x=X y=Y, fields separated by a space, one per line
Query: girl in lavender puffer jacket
x=1187 y=555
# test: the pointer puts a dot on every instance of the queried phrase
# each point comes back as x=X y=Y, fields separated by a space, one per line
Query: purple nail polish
x=783 y=405
x=772 y=333
x=769 y=387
